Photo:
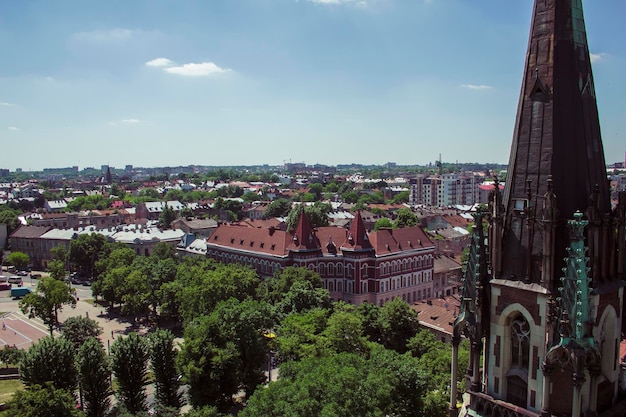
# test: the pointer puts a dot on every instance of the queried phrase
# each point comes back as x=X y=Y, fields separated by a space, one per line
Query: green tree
x=201 y=288
x=401 y=197
x=56 y=269
x=129 y=357
x=167 y=216
x=51 y=359
x=383 y=223
x=163 y=365
x=277 y=208
x=50 y=297
x=317 y=215
x=86 y=250
x=78 y=329
x=43 y=400
x=303 y=296
x=205 y=412
x=10 y=218
x=10 y=355
x=317 y=191
x=19 y=259
x=338 y=385
x=344 y=332
x=225 y=352
x=59 y=253
x=163 y=251
x=174 y=195
x=405 y=218
x=207 y=361
x=398 y=324
x=350 y=197
x=282 y=282
x=299 y=335
x=94 y=372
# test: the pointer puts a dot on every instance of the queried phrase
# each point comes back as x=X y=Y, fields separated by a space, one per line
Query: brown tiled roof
x=48 y=216
x=438 y=313
x=268 y=241
x=444 y=263
x=387 y=241
x=457 y=221
x=263 y=223
x=30 y=231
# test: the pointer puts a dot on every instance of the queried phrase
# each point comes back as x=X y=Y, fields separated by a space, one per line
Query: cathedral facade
x=543 y=292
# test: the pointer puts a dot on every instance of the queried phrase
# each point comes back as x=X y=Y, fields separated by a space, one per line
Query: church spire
x=557 y=136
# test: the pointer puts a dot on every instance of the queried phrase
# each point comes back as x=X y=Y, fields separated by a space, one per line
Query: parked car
x=36 y=276
x=22 y=273
x=15 y=279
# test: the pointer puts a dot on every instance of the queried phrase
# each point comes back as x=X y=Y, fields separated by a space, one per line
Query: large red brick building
x=356 y=265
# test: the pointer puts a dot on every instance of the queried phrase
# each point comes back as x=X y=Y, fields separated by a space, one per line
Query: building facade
x=355 y=266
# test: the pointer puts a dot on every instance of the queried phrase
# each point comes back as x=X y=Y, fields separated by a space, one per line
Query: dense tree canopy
x=341 y=385
x=43 y=400
x=78 y=329
x=94 y=372
x=129 y=357
x=86 y=250
x=19 y=259
x=51 y=359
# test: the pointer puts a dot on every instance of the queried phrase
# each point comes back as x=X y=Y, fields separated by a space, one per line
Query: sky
x=248 y=82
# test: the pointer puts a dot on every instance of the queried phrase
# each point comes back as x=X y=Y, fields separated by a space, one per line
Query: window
x=520 y=343
x=517 y=377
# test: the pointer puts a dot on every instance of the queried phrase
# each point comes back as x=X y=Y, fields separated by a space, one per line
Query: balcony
x=487 y=406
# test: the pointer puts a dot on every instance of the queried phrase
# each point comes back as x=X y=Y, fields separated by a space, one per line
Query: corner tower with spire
x=555 y=245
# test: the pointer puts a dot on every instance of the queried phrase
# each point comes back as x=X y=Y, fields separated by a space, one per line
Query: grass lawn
x=8 y=388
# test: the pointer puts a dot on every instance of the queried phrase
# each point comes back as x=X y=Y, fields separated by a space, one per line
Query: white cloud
x=160 y=62
x=125 y=122
x=5 y=104
x=476 y=86
x=196 y=70
x=597 y=57
x=13 y=128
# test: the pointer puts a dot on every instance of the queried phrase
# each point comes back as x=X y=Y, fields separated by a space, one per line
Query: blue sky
x=242 y=82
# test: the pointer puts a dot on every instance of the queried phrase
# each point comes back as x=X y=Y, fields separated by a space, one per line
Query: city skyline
x=151 y=83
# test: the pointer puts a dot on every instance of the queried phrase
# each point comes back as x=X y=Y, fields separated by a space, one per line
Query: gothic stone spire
x=557 y=135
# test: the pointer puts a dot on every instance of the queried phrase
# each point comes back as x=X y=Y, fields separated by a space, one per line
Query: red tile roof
x=387 y=241
x=438 y=313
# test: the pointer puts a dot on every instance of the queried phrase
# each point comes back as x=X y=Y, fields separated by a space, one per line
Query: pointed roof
x=557 y=135
x=304 y=238
x=357 y=238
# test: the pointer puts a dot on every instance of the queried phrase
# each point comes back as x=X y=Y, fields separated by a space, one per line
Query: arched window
x=322 y=269
x=517 y=377
x=339 y=269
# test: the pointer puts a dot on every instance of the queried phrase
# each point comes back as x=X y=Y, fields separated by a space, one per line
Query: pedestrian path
x=19 y=331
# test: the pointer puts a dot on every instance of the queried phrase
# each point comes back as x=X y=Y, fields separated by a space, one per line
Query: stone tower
x=543 y=298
